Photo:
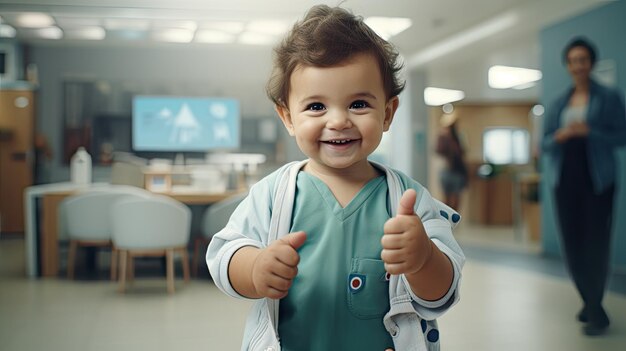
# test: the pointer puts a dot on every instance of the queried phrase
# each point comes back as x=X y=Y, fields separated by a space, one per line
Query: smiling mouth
x=338 y=141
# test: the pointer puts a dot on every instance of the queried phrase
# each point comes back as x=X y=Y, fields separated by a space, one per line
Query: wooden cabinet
x=17 y=114
x=490 y=199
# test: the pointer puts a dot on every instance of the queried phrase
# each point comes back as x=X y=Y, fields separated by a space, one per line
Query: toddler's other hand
x=277 y=265
x=406 y=247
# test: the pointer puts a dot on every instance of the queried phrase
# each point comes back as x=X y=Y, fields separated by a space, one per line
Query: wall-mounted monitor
x=164 y=123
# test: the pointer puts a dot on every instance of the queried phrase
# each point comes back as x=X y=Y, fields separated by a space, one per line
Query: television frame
x=191 y=103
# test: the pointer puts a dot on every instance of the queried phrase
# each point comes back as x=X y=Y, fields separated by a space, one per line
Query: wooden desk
x=42 y=249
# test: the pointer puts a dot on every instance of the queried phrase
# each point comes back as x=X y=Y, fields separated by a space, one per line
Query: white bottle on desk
x=80 y=167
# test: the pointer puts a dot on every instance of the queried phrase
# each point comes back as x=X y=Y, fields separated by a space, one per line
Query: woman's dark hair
x=327 y=36
x=580 y=42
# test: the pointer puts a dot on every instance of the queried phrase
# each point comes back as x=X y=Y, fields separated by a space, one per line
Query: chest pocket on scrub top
x=367 y=288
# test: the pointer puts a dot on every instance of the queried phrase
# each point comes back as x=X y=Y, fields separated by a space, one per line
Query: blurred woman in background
x=453 y=176
x=582 y=129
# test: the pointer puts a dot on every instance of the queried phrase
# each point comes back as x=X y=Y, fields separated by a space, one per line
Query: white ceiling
x=434 y=22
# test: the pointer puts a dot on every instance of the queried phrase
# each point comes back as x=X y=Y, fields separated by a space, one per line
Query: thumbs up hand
x=406 y=247
x=277 y=265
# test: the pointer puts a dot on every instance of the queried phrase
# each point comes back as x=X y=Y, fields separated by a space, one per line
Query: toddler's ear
x=390 y=111
x=285 y=116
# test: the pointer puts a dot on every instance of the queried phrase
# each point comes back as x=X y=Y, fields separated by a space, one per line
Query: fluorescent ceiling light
x=268 y=27
x=34 y=20
x=525 y=86
x=189 y=25
x=127 y=34
x=126 y=24
x=65 y=22
x=173 y=35
x=54 y=33
x=439 y=96
x=86 y=33
x=464 y=38
x=231 y=27
x=387 y=27
x=505 y=77
x=6 y=31
x=213 y=36
x=256 y=38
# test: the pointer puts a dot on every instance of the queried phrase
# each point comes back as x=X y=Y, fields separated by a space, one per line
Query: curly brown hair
x=325 y=37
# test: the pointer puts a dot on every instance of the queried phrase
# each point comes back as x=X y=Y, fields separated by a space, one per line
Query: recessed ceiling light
x=53 y=33
x=183 y=24
x=85 y=33
x=268 y=27
x=505 y=77
x=64 y=22
x=34 y=20
x=126 y=24
x=387 y=27
x=525 y=86
x=256 y=38
x=439 y=96
x=231 y=27
x=213 y=36
x=173 y=35
x=127 y=34
x=6 y=31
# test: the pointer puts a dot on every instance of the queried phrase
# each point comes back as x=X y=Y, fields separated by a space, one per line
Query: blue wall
x=605 y=26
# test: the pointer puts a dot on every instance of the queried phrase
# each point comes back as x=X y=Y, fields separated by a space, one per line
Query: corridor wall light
x=538 y=110
x=387 y=27
x=439 y=96
x=505 y=77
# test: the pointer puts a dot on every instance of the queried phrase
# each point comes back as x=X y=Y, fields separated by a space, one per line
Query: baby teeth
x=339 y=141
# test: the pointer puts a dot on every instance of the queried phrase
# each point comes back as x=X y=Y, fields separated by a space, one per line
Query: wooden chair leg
x=169 y=255
x=185 y=258
x=194 y=264
x=123 y=264
x=71 y=257
x=113 y=263
x=131 y=267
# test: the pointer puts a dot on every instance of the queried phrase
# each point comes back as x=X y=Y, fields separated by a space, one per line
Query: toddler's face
x=338 y=114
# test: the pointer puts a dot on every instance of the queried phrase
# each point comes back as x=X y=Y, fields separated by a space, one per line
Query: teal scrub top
x=341 y=293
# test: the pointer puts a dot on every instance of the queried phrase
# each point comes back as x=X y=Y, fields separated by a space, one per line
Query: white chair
x=87 y=220
x=155 y=226
x=215 y=218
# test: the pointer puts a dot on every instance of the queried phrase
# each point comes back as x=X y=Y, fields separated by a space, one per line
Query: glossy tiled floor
x=503 y=307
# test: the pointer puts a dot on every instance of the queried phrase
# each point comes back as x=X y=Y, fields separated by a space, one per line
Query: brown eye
x=359 y=104
x=316 y=106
